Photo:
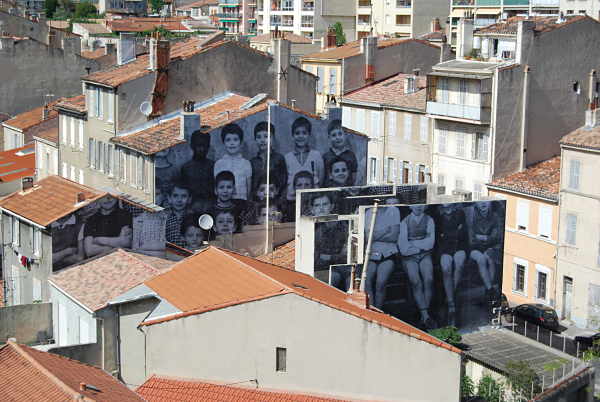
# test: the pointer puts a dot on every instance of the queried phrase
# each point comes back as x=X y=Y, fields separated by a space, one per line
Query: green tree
x=50 y=7
x=521 y=376
x=340 y=36
x=467 y=388
x=490 y=389
x=156 y=5
x=85 y=9
x=447 y=334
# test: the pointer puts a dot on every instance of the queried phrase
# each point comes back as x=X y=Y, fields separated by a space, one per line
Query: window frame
x=280 y=359
x=574 y=178
x=571 y=237
x=518 y=262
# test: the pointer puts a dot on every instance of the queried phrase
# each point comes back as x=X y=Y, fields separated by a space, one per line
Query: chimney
x=591 y=114
x=357 y=297
x=152 y=45
x=464 y=38
x=162 y=55
x=416 y=72
x=435 y=25
x=281 y=54
x=409 y=85
x=82 y=387
x=525 y=38
x=331 y=40
x=190 y=121
x=80 y=197
x=26 y=183
x=368 y=47
x=125 y=48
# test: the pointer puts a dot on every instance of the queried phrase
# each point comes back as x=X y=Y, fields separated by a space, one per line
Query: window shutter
x=81 y=134
x=424 y=129
x=571 y=229
x=63 y=129
x=392 y=127
x=410 y=173
x=111 y=106
x=332 y=80
x=545 y=221
x=91 y=153
x=375 y=131
x=522 y=215
x=574 y=170
x=92 y=101
x=321 y=76
x=407 y=127
x=72 y=136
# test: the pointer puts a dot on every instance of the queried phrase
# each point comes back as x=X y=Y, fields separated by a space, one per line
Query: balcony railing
x=477 y=113
x=505 y=3
x=229 y=15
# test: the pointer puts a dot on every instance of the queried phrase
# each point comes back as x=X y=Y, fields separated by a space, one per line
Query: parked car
x=538 y=314
x=586 y=341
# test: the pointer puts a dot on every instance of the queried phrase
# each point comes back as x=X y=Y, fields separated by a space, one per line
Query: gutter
x=22 y=218
x=531 y=195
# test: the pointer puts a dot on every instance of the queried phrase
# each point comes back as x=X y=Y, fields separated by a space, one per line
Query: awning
x=487 y=11
x=457 y=13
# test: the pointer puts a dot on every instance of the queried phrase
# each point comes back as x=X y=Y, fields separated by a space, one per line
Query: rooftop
x=93 y=29
x=97 y=281
x=142 y=24
x=27 y=374
x=94 y=54
x=583 y=137
x=215 y=278
x=283 y=256
x=76 y=104
x=353 y=49
x=542 y=24
x=539 y=180
x=292 y=37
x=469 y=66
x=32 y=118
x=197 y=4
x=47 y=131
x=165 y=389
x=390 y=92
x=17 y=163
x=48 y=200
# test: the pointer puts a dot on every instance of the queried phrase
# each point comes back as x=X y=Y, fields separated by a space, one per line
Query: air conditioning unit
x=462 y=195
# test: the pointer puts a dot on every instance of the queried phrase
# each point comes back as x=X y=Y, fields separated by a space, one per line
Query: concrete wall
x=28 y=323
x=424 y=12
x=13 y=138
x=367 y=364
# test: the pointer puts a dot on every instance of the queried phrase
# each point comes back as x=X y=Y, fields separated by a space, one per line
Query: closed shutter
x=424 y=129
x=545 y=221
x=321 y=76
x=332 y=80
x=81 y=144
x=392 y=127
x=347 y=117
x=407 y=127
x=375 y=129
x=72 y=132
x=522 y=215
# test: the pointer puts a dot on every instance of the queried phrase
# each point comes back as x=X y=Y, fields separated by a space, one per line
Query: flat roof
x=480 y=67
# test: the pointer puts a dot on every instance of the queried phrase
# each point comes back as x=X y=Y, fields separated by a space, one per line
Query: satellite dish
x=146 y=108
x=206 y=221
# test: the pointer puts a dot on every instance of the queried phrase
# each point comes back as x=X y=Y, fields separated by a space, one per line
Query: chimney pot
x=82 y=386
x=190 y=121
x=80 y=198
x=416 y=72
x=331 y=38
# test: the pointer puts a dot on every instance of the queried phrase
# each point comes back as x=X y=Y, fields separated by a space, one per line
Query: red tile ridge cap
x=17 y=348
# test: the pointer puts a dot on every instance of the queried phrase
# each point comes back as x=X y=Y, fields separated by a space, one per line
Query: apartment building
x=20 y=130
x=392 y=113
x=352 y=66
x=580 y=7
x=237 y=17
x=531 y=236
x=310 y=18
x=514 y=89
x=399 y=18
x=578 y=263
x=487 y=12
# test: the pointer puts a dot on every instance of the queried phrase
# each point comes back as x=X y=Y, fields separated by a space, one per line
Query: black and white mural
x=436 y=265
x=224 y=172
x=103 y=225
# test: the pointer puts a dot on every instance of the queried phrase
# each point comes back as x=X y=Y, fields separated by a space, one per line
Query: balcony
x=505 y=3
x=229 y=16
x=229 y=3
x=477 y=113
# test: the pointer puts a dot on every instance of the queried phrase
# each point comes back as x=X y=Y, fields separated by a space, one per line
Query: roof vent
x=80 y=198
x=297 y=285
x=88 y=387
x=254 y=101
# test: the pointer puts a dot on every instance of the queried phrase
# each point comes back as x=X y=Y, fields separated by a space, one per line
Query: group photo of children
x=224 y=173
x=436 y=265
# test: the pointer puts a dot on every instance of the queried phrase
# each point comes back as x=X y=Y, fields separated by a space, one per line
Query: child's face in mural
x=274 y=215
x=232 y=143
x=417 y=210
x=483 y=207
x=200 y=145
x=179 y=198
x=262 y=139
x=224 y=190
x=88 y=210
x=261 y=192
x=302 y=183
x=193 y=237
x=301 y=136
x=108 y=203
x=340 y=173
x=338 y=138
x=224 y=223
x=446 y=209
x=321 y=206
x=163 y=154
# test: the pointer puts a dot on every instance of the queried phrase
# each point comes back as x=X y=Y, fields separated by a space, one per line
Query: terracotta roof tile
x=27 y=374
x=75 y=103
x=216 y=278
x=94 y=54
x=583 y=137
x=541 y=180
x=283 y=256
x=197 y=4
x=33 y=117
x=390 y=92
x=135 y=24
x=48 y=200
x=353 y=49
x=542 y=24
x=433 y=36
x=17 y=163
x=165 y=135
x=48 y=131
x=163 y=389
x=94 y=29
x=266 y=38
x=95 y=282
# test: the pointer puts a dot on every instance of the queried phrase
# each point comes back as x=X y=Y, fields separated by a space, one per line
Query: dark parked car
x=587 y=341
x=538 y=314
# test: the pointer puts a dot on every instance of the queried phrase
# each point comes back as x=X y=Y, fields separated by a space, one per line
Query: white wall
x=75 y=319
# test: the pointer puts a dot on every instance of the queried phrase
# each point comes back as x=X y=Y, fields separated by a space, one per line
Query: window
x=332 y=80
x=460 y=144
x=520 y=272
x=63 y=129
x=402 y=19
x=372 y=170
x=462 y=92
x=522 y=215
x=459 y=183
x=37 y=290
x=477 y=191
x=424 y=129
x=441 y=179
x=406 y=172
x=36 y=240
x=110 y=107
x=321 y=76
x=123 y=166
x=392 y=128
x=72 y=136
x=421 y=174
x=80 y=134
x=15 y=230
x=91 y=152
x=109 y=160
x=576 y=87
x=98 y=112
x=442 y=141
x=81 y=176
x=407 y=127
x=65 y=170
x=542 y=285
x=545 y=221
x=571 y=231
x=574 y=172
x=84 y=331
x=280 y=359
x=480 y=148
x=443 y=90
x=375 y=117
x=390 y=170
x=139 y=169
x=100 y=156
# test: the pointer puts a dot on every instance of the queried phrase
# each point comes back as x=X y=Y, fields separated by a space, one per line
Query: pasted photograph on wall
x=436 y=265
x=103 y=225
x=223 y=172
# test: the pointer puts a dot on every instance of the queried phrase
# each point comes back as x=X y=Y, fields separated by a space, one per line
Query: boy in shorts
x=233 y=161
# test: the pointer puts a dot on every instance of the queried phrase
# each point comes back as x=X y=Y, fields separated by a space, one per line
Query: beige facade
x=579 y=238
x=530 y=245
x=329 y=85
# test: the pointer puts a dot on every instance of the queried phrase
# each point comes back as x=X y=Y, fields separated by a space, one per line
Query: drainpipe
x=524 y=102
x=494 y=107
x=384 y=144
x=101 y=320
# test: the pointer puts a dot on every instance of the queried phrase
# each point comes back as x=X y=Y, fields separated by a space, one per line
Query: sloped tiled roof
x=33 y=117
x=540 y=180
x=75 y=103
x=165 y=389
x=48 y=200
x=95 y=282
x=94 y=54
x=353 y=49
x=47 y=130
x=283 y=256
x=542 y=24
x=27 y=374
x=197 y=4
x=390 y=92
x=17 y=163
x=216 y=278
x=94 y=29
x=142 y=24
x=292 y=37
x=583 y=137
